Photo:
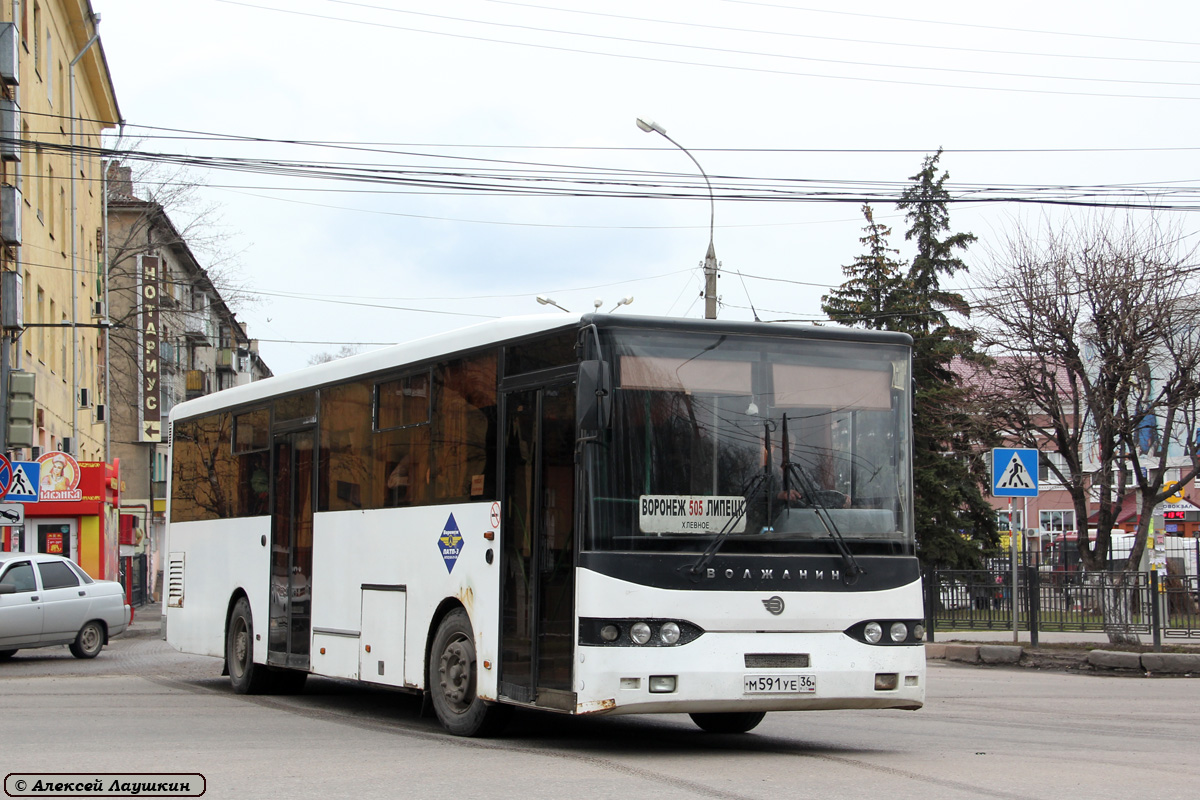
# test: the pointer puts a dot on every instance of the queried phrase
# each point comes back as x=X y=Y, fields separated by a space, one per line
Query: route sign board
x=1014 y=472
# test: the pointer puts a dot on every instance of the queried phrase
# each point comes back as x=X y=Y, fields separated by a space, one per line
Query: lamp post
x=710 y=259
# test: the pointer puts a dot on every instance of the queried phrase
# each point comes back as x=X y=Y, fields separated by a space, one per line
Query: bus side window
x=402 y=458
x=344 y=474
x=465 y=430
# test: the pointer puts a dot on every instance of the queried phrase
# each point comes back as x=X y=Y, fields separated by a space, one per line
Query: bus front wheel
x=452 y=681
x=729 y=722
x=245 y=676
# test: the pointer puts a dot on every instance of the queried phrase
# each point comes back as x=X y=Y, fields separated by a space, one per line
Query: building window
x=49 y=61
x=39 y=159
x=1057 y=521
x=62 y=338
x=1045 y=474
x=37 y=39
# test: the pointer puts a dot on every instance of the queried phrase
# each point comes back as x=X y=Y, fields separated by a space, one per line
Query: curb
x=1107 y=660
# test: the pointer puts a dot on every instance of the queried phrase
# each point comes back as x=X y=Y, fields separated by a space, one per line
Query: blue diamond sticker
x=450 y=543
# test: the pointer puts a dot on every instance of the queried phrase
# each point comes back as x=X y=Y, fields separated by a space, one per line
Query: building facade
x=58 y=97
x=174 y=338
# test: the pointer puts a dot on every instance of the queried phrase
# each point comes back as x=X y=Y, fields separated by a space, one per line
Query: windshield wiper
x=807 y=485
x=749 y=490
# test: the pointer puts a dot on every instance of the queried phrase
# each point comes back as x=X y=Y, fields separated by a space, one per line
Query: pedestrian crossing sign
x=24 y=486
x=1014 y=472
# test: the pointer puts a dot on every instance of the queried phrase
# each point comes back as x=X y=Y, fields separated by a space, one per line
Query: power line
x=680 y=62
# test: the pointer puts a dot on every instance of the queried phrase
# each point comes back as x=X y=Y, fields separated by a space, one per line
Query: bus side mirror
x=594 y=410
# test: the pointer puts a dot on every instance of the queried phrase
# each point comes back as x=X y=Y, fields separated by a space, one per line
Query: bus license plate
x=780 y=684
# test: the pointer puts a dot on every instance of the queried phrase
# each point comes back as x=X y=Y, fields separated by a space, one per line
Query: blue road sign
x=6 y=474
x=1014 y=472
x=24 y=486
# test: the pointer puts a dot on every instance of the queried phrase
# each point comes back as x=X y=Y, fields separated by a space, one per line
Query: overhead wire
x=682 y=62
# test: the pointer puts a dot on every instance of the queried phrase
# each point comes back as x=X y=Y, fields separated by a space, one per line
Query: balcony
x=197 y=326
x=227 y=359
x=199 y=383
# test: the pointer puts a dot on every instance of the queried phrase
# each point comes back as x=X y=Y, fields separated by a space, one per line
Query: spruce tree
x=868 y=297
x=953 y=518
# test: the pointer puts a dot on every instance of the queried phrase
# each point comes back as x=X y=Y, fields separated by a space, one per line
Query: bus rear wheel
x=452 y=681
x=245 y=676
x=729 y=721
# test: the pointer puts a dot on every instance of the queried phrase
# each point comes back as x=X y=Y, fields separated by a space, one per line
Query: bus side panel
x=220 y=557
x=426 y=554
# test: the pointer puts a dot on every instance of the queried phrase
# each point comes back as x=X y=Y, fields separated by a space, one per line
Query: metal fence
x=1055 y=599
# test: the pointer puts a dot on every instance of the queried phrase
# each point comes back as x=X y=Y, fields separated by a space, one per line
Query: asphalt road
x=985 y=732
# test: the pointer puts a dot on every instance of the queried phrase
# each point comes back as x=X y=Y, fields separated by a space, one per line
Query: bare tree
x=157 y=210
x=345 y=351
x=1092 y=325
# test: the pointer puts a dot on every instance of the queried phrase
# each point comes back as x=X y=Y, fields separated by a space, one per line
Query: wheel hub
x=455 y=670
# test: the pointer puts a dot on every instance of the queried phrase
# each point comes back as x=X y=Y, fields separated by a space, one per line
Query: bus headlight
x=902 y=632
x=616 y=632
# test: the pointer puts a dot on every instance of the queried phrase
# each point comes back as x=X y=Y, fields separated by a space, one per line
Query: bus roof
x=494 y=332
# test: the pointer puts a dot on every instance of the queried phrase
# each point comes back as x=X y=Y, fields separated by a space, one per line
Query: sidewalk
x=147 y=621
x=1083 y=638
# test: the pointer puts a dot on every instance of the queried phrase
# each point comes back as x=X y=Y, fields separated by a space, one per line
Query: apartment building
x=174 y=338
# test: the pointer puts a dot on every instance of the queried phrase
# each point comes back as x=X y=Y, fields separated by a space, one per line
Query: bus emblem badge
x=450 y=543
x=774 y=605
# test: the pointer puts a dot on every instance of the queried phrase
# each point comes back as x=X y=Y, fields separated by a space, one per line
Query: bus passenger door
x=291 y=550
x=538 y=546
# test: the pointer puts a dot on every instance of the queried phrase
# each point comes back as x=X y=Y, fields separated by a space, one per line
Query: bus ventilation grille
x=175 y=580
x=776 y=660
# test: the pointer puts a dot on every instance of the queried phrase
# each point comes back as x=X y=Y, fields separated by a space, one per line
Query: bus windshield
x=774 y=444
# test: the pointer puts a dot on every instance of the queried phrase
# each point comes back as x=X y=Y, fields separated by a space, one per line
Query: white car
x=48 y=600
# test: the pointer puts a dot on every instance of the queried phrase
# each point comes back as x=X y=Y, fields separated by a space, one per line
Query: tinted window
x=78 y=570
x=403 y=402
x=20 y=576
x=555 y=351
x=56 y=575
x=464 y=438
x=205 y=477
x=300 y=406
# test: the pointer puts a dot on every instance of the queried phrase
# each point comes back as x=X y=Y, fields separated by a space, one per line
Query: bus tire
x=245 y=676
x=729 y=721
x=452 y=681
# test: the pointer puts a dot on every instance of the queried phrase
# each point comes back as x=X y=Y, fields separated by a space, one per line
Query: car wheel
x=729 y=722
x=452 y=681
x=5 y=655
x=245 y=676
x=89 y=641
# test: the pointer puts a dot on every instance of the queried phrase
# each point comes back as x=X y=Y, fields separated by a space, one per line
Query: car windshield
x=779 y=443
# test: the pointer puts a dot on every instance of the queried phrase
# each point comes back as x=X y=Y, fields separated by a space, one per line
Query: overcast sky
x=766 y=95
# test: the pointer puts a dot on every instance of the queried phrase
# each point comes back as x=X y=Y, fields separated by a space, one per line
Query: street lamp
x=710 y=259
x=546 y=301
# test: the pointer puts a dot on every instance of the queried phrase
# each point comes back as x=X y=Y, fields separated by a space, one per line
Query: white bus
x=588 y=515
